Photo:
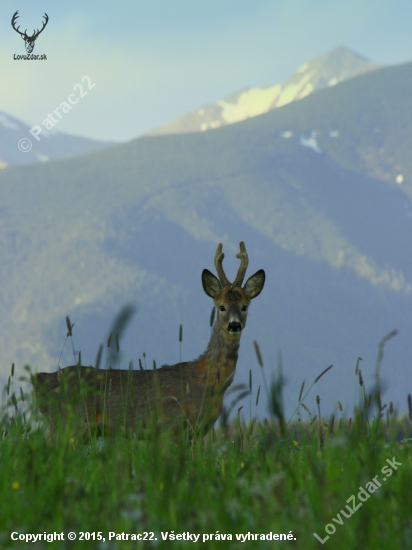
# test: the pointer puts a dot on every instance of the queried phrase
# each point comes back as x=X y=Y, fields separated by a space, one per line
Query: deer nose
x=234 y=326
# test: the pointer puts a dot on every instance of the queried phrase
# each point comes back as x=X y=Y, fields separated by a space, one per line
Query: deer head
x=231 y=299
x=28 y=40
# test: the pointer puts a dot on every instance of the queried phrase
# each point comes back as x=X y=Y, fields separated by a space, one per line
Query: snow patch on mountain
x=311 y=142
x=249 y=104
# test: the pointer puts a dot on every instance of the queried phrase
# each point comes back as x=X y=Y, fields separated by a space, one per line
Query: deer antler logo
x=29 y=40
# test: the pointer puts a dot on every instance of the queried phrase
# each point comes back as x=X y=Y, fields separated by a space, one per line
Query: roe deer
x=187 y=395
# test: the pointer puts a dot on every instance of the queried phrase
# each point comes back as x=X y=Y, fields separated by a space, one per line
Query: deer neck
x=217 y=364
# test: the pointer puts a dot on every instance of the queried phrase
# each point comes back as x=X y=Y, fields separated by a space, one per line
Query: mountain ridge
x=322 y=71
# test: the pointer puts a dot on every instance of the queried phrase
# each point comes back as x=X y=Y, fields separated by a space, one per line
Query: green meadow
x=304 y=482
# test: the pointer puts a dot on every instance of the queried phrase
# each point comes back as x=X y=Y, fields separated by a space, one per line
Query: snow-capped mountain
x=18 y=146
x=320 y=72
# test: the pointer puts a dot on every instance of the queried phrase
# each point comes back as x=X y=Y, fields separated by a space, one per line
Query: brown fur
x=186 y=395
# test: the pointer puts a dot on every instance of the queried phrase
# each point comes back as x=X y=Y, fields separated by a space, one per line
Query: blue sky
x=152 y=62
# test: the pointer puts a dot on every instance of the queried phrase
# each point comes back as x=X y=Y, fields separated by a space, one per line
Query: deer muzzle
x=234 y=326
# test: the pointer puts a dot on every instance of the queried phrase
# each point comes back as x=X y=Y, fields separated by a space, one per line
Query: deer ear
x=254 y=284
x=211 y=284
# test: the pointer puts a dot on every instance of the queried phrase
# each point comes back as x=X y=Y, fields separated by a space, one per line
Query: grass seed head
x=322 y=373
x=99 y=356
x=69 y=326
x=212 y=316
x=258 y=354
x=257 y=396
x=301 y=391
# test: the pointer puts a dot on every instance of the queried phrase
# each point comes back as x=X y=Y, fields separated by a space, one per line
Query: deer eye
x=222 y=308
x=244 y=308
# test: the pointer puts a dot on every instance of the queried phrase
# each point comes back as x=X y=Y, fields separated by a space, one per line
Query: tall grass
x=261 y=478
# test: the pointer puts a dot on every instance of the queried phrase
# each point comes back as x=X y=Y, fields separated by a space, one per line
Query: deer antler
x=24 y=34
x=46 y=17
x=244 y=261
x=13 y=23
x=219 y=255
